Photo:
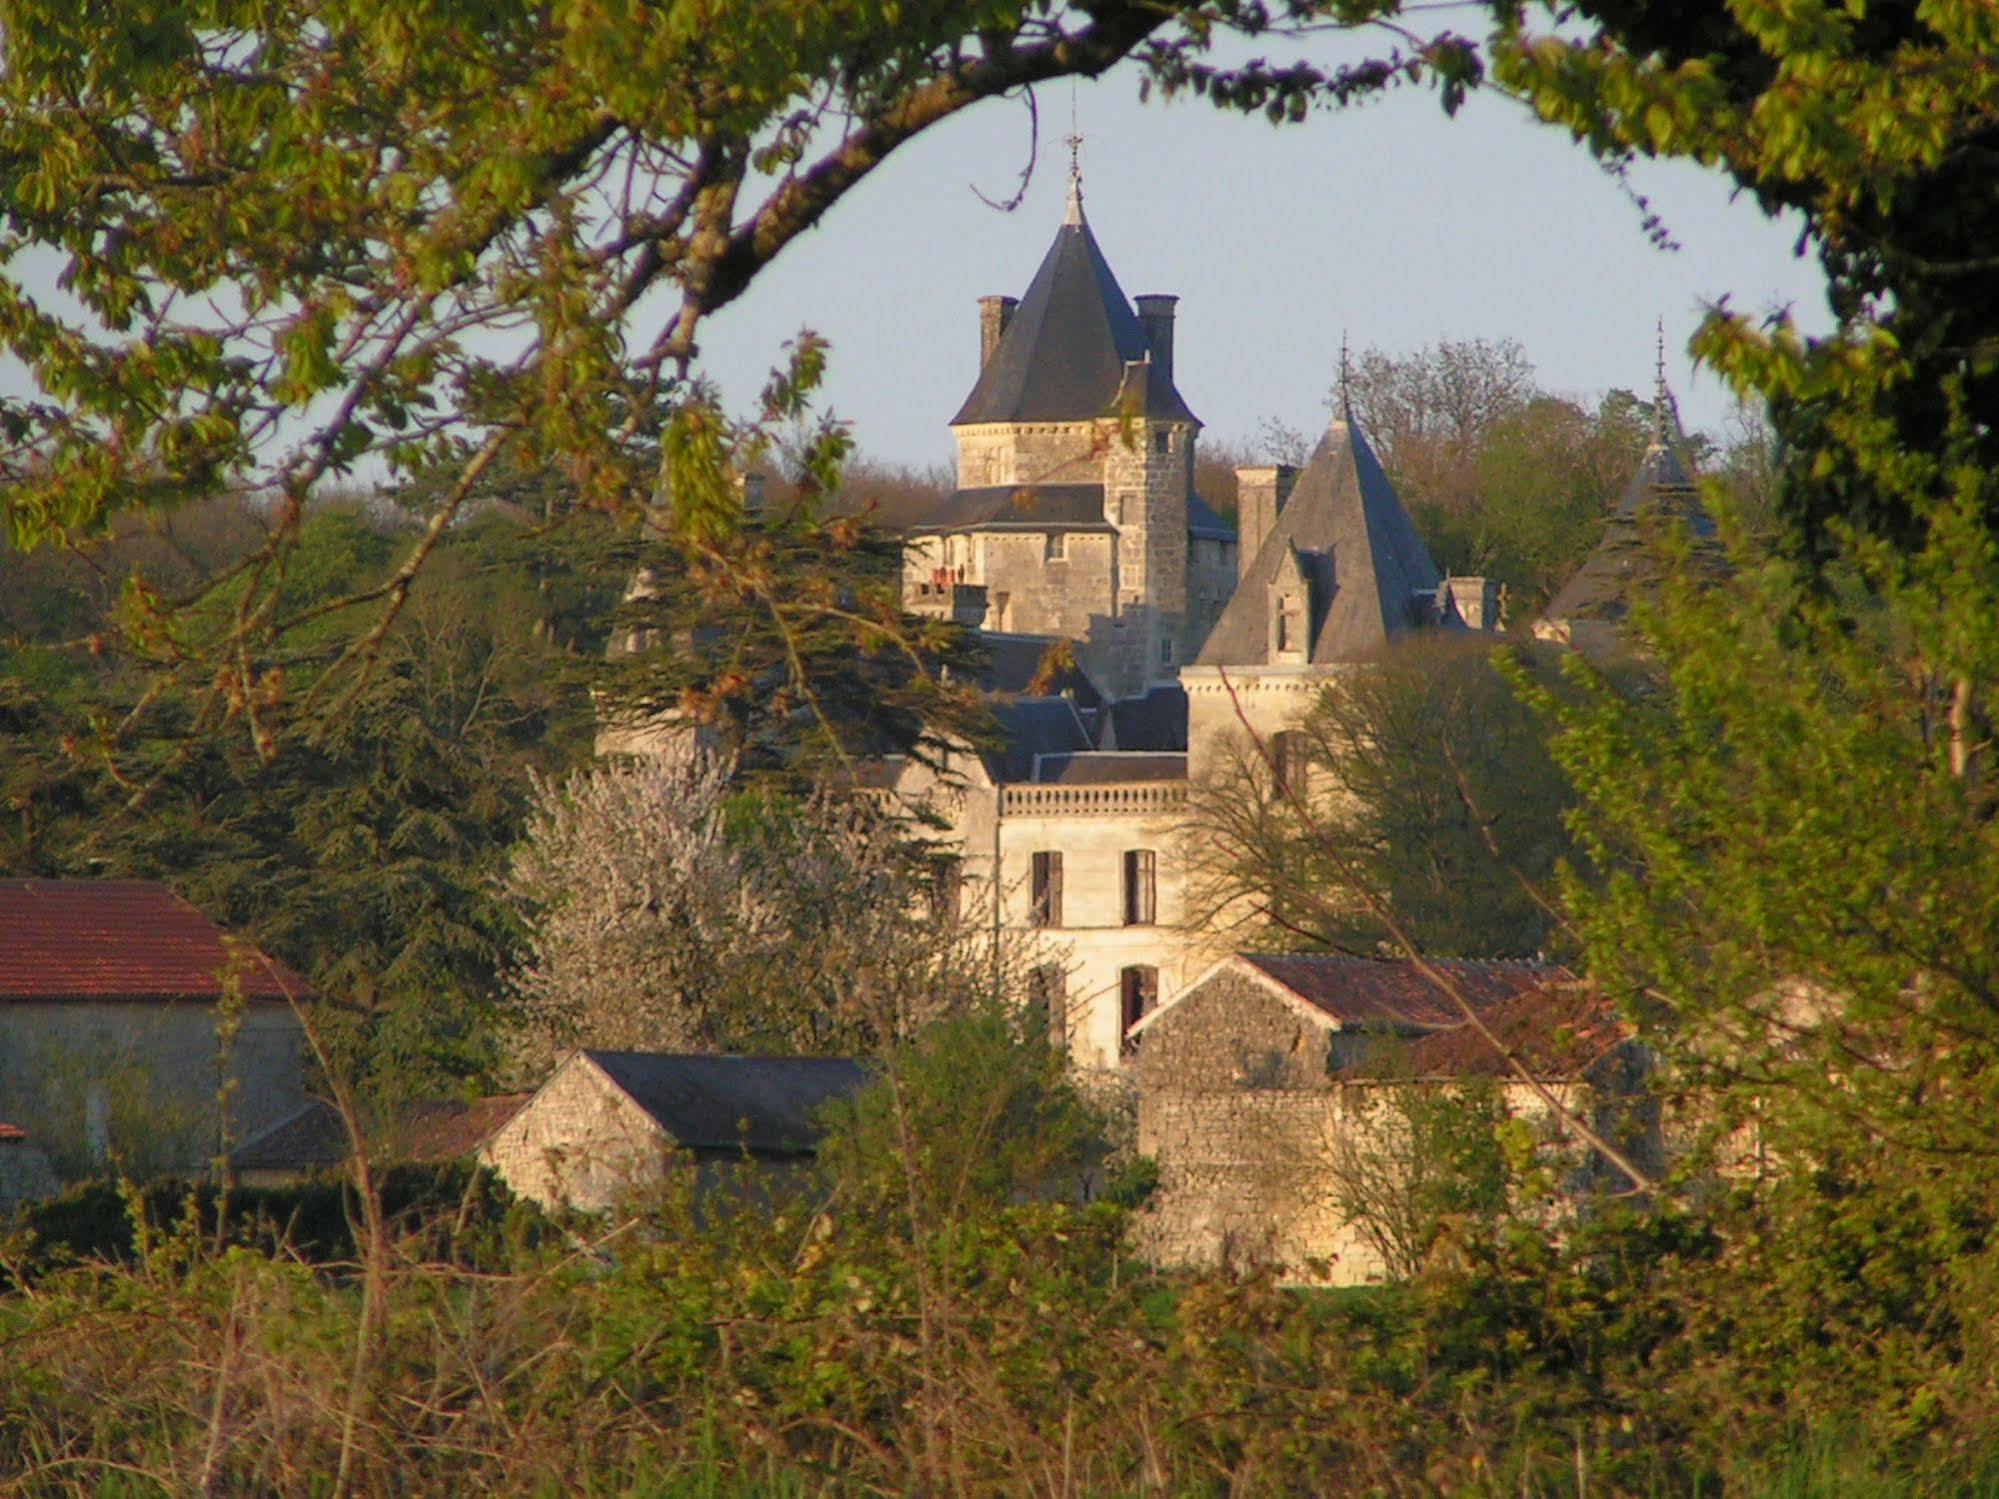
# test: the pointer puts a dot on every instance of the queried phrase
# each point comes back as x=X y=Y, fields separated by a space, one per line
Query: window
x=1139 y=887
x=1138 y=993
x=1048 y=991
x=1289 y=636
x=1045 y=889
x=1057 y=547
x=1166 y=651
x=943 y=893
x=1162 y=442
x=1287 y=757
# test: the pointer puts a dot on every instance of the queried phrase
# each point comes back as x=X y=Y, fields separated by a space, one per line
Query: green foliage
x=461 y=1213
x=1419 y=785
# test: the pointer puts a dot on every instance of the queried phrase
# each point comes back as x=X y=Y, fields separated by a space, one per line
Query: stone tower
x=1075 y=512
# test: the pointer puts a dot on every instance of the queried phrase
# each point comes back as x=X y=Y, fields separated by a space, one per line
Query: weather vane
x=1659 y=395
x=1075 y=140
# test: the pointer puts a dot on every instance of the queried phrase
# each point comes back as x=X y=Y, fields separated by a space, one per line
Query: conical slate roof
x=1661 y=494
x=1345 y=540
x=1064 y=355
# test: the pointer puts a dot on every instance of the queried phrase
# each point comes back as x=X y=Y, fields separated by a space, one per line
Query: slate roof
x=1556 y=1030
x=1393 y=992
x=1108 y=768
x=1156 y=721
x=763 y=1104
x=120 y=939
x=1345 y=540
x=1066 y=352
x=1204 y=523
x=1033 y=507
x=1014 y=663
x=1051 y=507
x=1032 y=727
x=314 y=1137
x=1661 y=494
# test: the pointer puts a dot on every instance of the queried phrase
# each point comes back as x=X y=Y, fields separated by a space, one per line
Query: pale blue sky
x=1388 y=221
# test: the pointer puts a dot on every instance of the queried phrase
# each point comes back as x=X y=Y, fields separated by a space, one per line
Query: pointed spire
x=1073 y=216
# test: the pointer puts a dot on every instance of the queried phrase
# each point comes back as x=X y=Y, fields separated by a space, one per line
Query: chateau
x=1075 y=522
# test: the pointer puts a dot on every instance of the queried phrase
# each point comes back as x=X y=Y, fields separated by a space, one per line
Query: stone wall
x=142 y=1078
x=579 y=1142
x=1028 y=453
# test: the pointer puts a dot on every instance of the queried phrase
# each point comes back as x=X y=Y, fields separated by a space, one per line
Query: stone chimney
x=1260 y=496
x=994 y=314
x=1155 y=314
x=1476 y=601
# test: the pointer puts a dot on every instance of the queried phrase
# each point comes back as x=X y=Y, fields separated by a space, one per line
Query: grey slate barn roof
x=1204 y=523
x=1065 y=351
x=761 y=1104
x=1344 y=539
x=1661 y=495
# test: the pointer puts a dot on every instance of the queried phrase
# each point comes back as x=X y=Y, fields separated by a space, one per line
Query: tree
x=1418 y=784
x=667 y=911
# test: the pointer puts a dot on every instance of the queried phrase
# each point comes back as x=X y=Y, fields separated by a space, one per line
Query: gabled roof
x=1394 y=992
x=1066 y=353
x=314 y=1137
x=1343 y=537
x=729 y=1103
x=1556 y=1030
x=1661 y=495
x=121 y=939
x=1347 y=993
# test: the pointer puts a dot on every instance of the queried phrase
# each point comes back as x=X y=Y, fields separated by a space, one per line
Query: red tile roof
x=1558 y=1031
x=10 y=1133
x=120 y=939
x=1382 y=991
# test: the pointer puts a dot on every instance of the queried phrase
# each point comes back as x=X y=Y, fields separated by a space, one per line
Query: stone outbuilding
x=1258 y=1080
x=112 y=1033
x=609 y=1124
x=314 y=1138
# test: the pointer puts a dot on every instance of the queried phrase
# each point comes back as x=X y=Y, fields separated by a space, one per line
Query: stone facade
x=142 y=1079
x=580 y=1142
x=1250 y=1099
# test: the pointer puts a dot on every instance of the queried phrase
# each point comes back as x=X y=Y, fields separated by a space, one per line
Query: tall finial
x=1346 y=374
x=1661 y=399
x=1074 y=215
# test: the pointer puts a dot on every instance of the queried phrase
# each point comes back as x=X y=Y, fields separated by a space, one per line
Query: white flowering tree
x=667 y=912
